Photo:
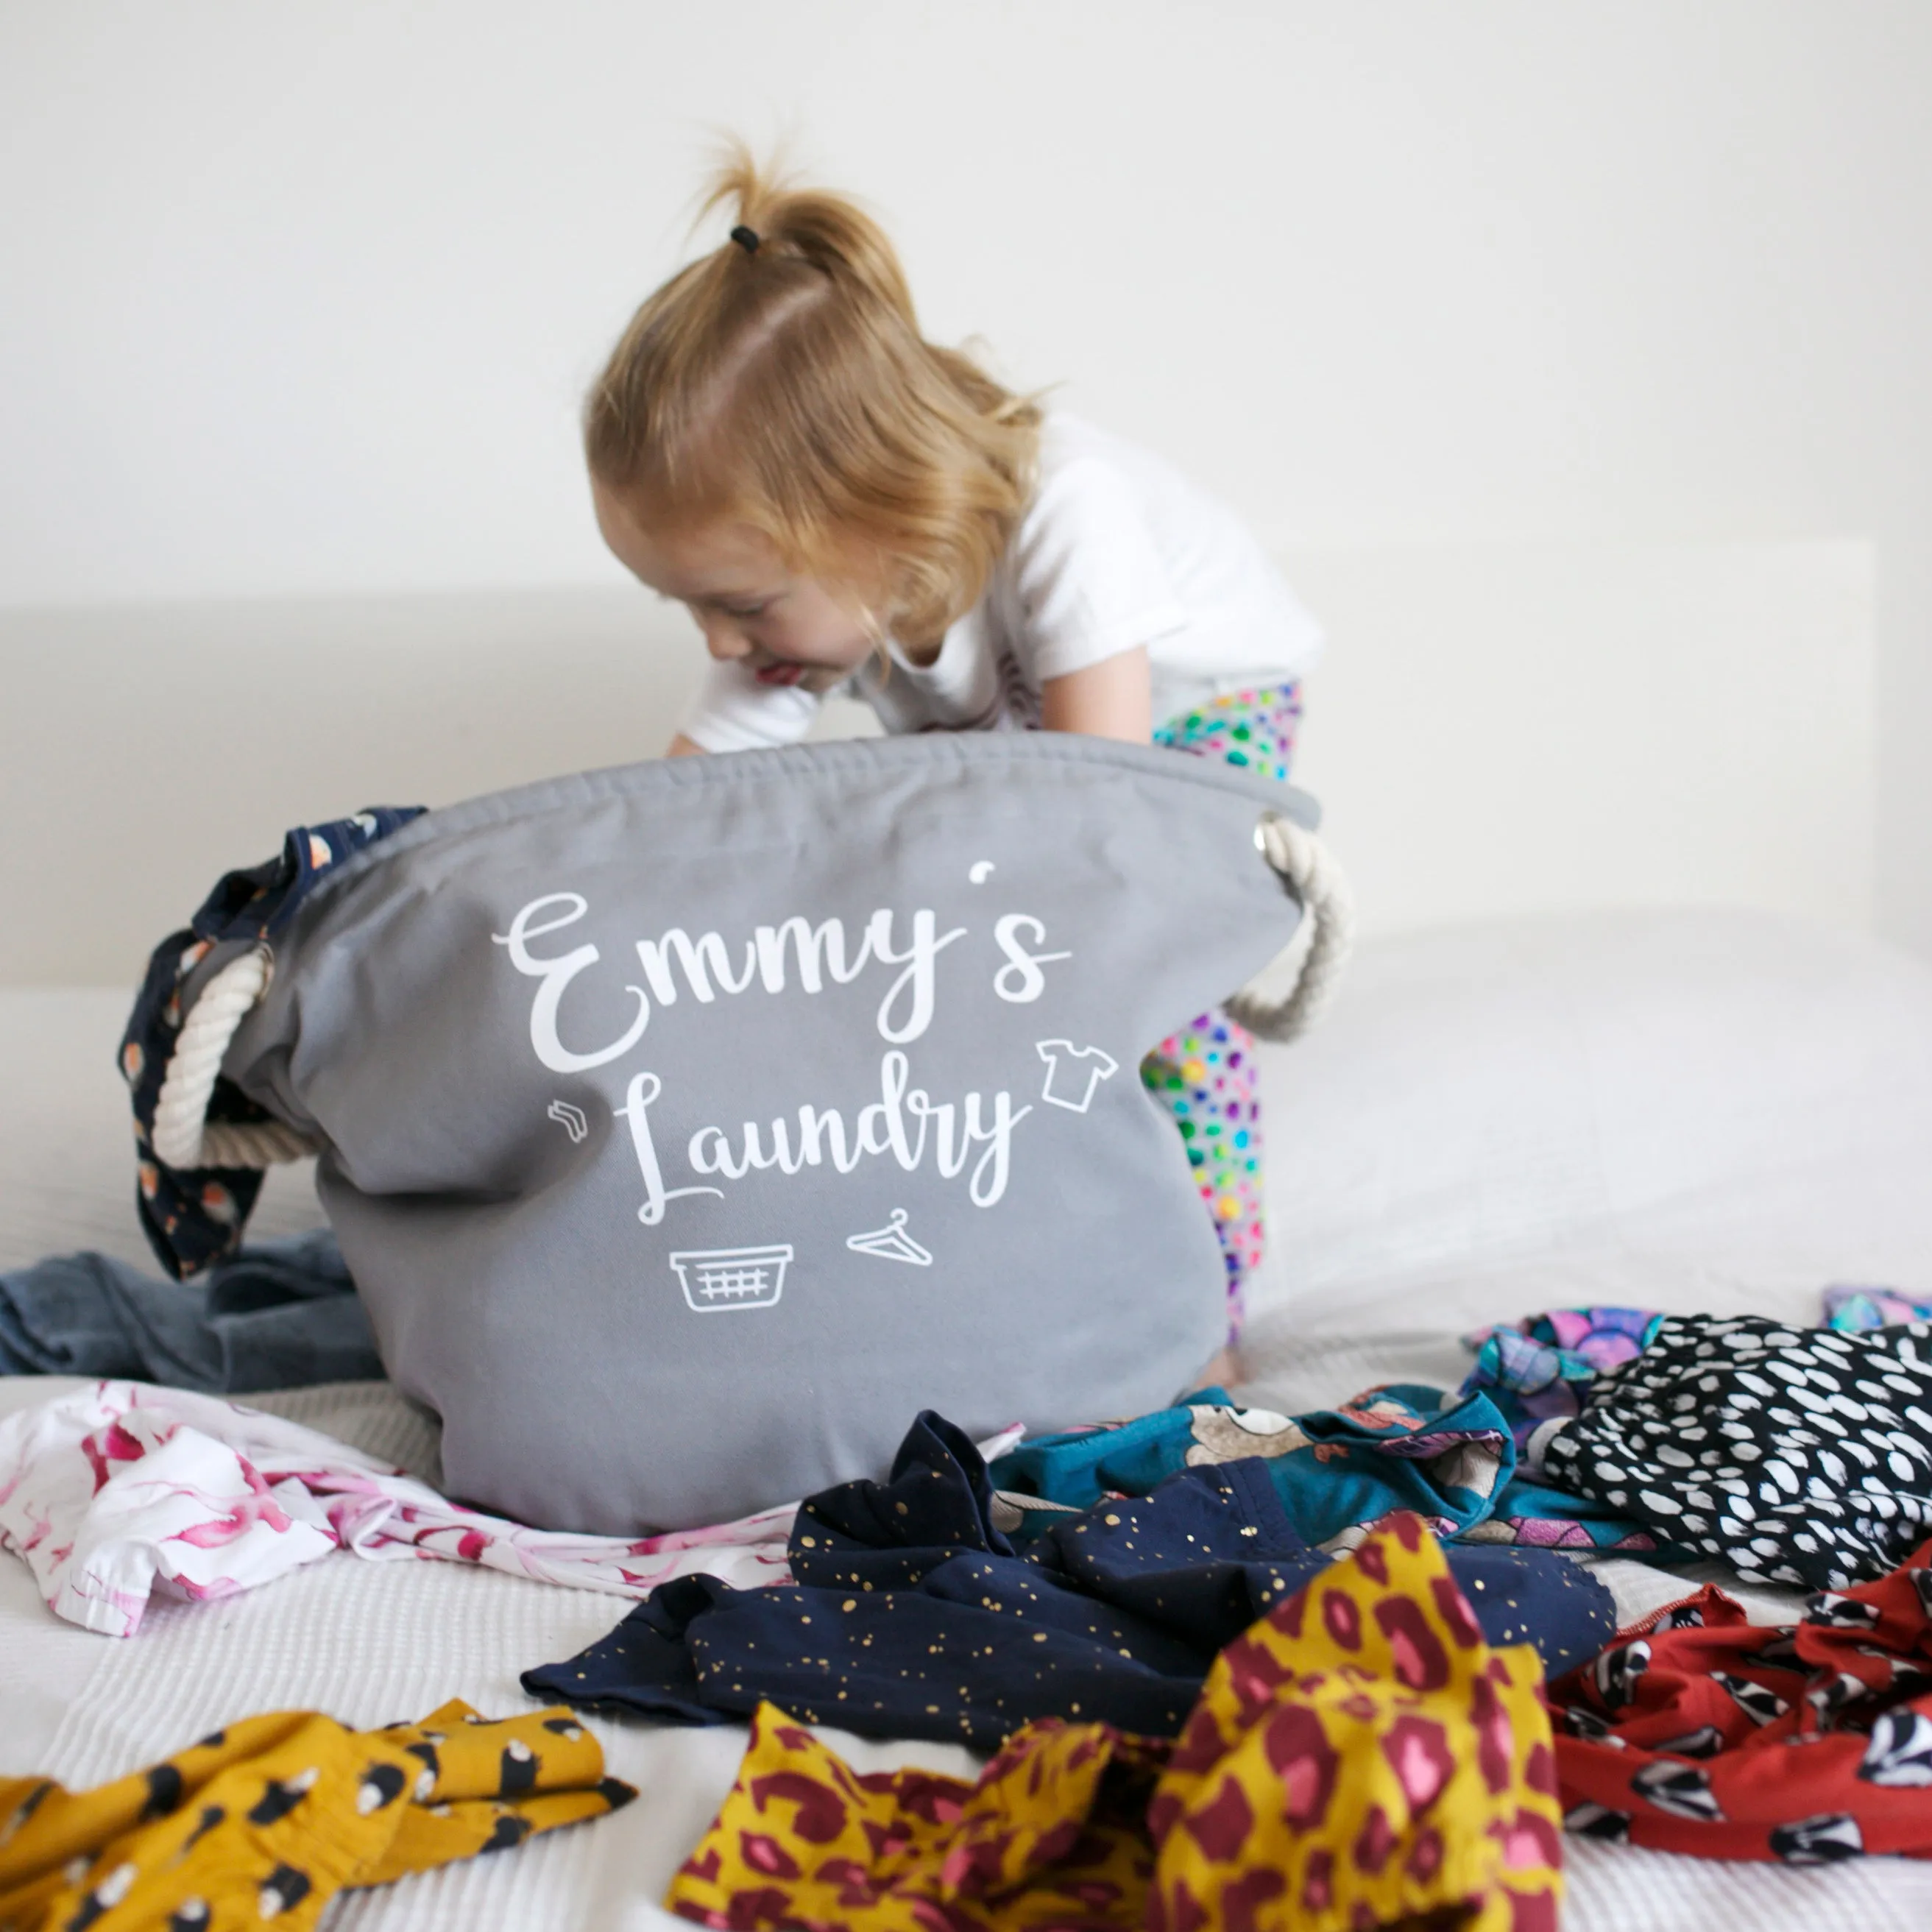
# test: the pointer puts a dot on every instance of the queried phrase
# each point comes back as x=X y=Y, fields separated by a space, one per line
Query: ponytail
x=782 y=380
x=834 y=236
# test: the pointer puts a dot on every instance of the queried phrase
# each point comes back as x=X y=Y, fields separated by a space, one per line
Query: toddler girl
x=842 y=505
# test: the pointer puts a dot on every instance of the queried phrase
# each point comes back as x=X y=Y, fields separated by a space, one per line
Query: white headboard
x=1496 y=729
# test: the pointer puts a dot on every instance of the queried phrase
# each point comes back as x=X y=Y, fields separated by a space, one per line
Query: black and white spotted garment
x=1796 y=1455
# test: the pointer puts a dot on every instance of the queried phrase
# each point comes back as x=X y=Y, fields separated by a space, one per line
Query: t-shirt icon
x=1073 y=1073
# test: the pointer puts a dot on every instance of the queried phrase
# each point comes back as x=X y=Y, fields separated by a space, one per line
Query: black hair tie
x=747 y=238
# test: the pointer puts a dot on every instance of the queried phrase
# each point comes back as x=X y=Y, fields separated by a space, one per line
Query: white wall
x=1730 y=763
x=299 y=299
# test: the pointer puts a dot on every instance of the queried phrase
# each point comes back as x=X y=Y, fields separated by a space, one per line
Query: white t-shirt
x=1117 y=550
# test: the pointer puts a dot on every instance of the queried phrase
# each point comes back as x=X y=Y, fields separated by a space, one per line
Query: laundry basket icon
x=715 y=1278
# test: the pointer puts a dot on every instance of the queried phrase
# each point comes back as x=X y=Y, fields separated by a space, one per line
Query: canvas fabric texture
x=748 y=1073
x=88 y=1314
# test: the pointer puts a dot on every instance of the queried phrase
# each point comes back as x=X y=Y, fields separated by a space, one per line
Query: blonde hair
x=782 y=380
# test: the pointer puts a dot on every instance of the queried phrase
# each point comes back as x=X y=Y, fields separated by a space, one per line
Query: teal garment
x=1528 y=1511
x=1075 y=1468
x=1394 y=1448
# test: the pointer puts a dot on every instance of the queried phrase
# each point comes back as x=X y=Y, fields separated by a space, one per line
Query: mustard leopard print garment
x=266 y=1821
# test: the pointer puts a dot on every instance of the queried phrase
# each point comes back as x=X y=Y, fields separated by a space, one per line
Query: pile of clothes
x=1228 y=1662
x=1361 y=1755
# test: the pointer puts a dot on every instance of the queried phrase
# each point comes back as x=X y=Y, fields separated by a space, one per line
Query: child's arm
x=1111 y=699
x=682 y=747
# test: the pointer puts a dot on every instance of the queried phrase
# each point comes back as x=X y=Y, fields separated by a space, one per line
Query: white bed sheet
x=1673 y=1110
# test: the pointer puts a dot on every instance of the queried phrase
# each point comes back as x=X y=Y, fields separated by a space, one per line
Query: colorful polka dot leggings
x=1208 y=1074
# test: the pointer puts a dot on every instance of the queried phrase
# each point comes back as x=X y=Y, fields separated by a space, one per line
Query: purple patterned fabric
x=1851 y=1310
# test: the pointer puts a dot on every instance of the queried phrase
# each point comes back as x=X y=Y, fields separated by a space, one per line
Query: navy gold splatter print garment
x=913 y=1617
x=193 y=1218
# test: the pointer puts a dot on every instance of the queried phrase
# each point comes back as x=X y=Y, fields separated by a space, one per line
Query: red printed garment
x=1699 y=1732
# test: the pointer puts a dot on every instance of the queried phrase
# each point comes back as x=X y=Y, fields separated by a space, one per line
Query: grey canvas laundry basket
x=689 y=1127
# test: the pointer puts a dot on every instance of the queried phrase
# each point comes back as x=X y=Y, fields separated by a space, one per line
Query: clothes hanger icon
x=891 y=1242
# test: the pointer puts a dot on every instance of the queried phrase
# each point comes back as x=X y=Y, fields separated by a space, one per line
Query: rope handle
x=183 y=1137
x=1287 y=996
